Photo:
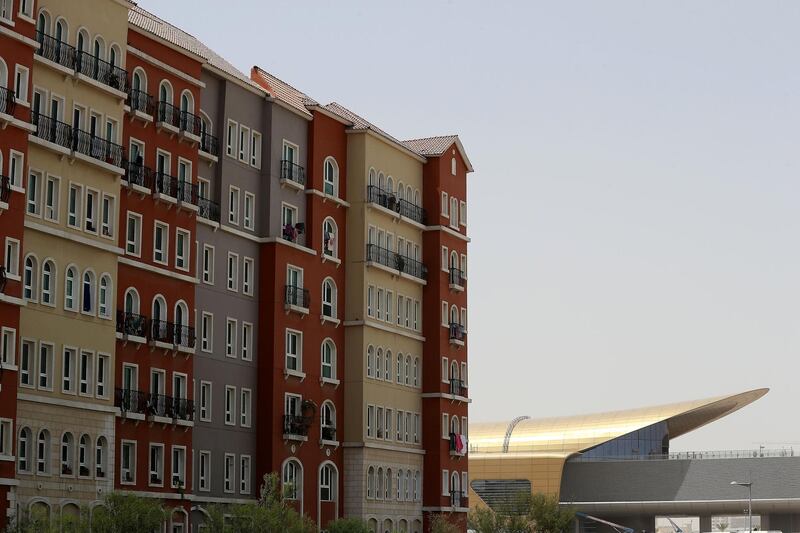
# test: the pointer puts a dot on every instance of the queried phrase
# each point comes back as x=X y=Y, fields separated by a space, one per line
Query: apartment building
x=17 y=43
x=66 y=350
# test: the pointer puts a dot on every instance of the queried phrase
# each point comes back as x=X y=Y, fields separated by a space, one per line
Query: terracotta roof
x=148 y=22
x=283 y=91
x=360 y=123
x=431 y=145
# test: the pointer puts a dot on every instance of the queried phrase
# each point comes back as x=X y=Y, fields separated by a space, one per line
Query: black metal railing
x=98 y=148
x=413 y=211
x=162 y=331
x=328 y=433
x=169 y=114
x=141 y=101
x=182 y=409
x=297 y=296
x=190 y=123
x=3 y=279
x=457 y=387
x=187 y=192
x=131 y=401
x=457 y=332
x=5 y=188
x=56 y=51
x=293 y=172
x=412 y=267
x=457 y=277
x=53 y=130
x=184 y=336
x=382 y=256
x=208 y=209
x=454 y=445
x=457 y=498
x=296 y=425
x=102 y=71
x=140 y=175
x=209 y=144
x=8 y=101
x=131 y=324
x=166 y=184
x=159 y=405
x=383 y=198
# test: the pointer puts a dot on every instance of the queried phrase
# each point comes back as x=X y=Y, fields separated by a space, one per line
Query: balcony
x=295 y=427
x=184 y=336
x=457 y=280
x=168 y=407
x=190 y=126
x=131 y=325
x=140 y=178
x=293 y=175
x=412 y=267
x=413 y=212
x=56 y=51
x=458 y=499
x=457 y=388
x=382 y=256
x=168 y=118
x=131 y=401
x=458 y=334
x=54 y=132
x=97 y=148
x=3 y=279
x=390 y=201
x=163 y=332
x=101 y=71
x=209 y=147
x=5 y=192
x=394 y=261
x=297 y=299
x=8 y=101
x=141 y=105
x=328 y=433
x=187 y=195
x=457 y=449
x=166 y=187
x=208 y=209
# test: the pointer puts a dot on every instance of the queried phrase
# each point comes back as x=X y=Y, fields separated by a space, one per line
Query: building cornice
x=160 y=64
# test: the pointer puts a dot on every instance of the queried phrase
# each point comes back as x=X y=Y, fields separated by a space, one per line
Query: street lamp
x=749 y=485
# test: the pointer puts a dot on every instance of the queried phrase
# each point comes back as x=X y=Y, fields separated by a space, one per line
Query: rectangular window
x=205 y=401
x=445 y=204
x=244 y=474
x=453 y=212
x=233 y=271
x=370 y=421
x=230 y=405
x=45 y=366
x=178 y=467
x=21 y=77
x=26 y=8
x=294 y=351
x=445 y=370
x=51 y=196
x=12 y=257
x=464 y=318
x=90 y=211
x=127 y=463
x=244 y=144
x=207 y=332
x=416 y=315
x=157 y=464
x=74 y=203
x=247 y=276
x=416 y=428
x=27 y=353
x=247 y=341
x=445 y=314
x=34 y=182
x=204 y=471
x=134 y=233
x=399 y=433
x=8 y=342
x=15 y=167
x=379 y=304
x=464 y=265
x=208 y=264
x=229 y=473
x=230 y=337
x=102 y=376
x=408 y=312
x=445 y=483
x=288 y=218
x=107 y=216
x=5 y=10
x=445 y=259
x=233 y=205
x=232 y=136
x=389 y=424
x=245 y=406
x=183 y=241
x=371 y=300
x=445 y=426
x=462 y=213
x=255 y=150
x=6 y=431
x=400 y=308
x=249 y=210
x=408 y=427
x=85 y=373
x=379 y=422
x=160 y=243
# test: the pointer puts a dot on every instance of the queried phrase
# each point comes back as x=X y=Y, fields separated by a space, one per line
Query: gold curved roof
x=564 y=436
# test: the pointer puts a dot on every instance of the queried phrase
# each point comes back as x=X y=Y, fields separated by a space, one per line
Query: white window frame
x=229 y=474
x=247 y=341
x=160 y=470
x=230 y=405
x=51 y=213
x=249 y=211
x=445 y=205
x=245 y=407
x=232 y=139
x=232 y=272
x=205 y=405
x=245 y=473
x=234 y=197
x=12 y=259
x=248 y=271
x=204 y=480
x=136 y=244
x=231 y=330
x=165 y=242
x=8 y=346
x=131 y=445
x=209 y=253
x=207 y=332
x=183 y=255
x=21 y=88
x=298 y=356
x=255 y=149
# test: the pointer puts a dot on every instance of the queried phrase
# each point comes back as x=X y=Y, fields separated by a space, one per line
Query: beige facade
x=383 y=420
x=67 y=328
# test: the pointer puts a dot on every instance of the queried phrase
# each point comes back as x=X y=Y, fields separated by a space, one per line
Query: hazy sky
x=634 y=213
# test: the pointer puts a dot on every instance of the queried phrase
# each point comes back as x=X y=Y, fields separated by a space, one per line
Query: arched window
x=3 y=73
x=99 y=49
x=70 y=298
x=292 y=479
x=328 y=359
x=165 y=92
x=455 y=487
x=381 y=181
x=48 y=282
x=453 y=315
x=371 y=483
x=400 y=368
x=83 y=455
x=328 y=418
x=379 y=484
x=61 y=32
x=187 y=102
x=330 y=240
x=24 y=450
x=388 y=487
x=387 y=367
x=409 y=193
x=101 y=457
x=114 y=55
x=132 y=301
x=329 y=298
x=331 y=177
x=417 y=486
x=388 y=525
x=29 y=281
x=88 y=292
x=454 y=426
x=83 y=40
x=416 y=197
x=104 y=297
x=416 y=371
x=159 y=319
x=399 y=485
x=327 y=483
x=206 y=128
x=454 y=371
x=407 y=369
x=404 y=487
x=390 y=185
x=407 y=487
x=379 y=363
x=67 y=453
x=370 y=360
x=139 y=82
x=371 y=180
x=43 y=23
x=402 y=526
x=453 y=261
x=181 y=324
